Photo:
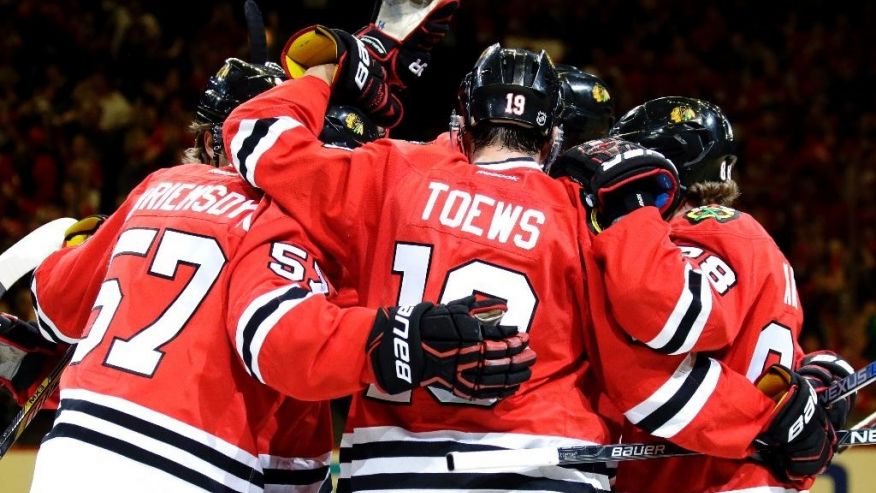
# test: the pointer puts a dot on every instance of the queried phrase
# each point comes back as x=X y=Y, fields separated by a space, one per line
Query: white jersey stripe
x=699 y=323
x=694 y=405
x=250 y=160
x=681 y=307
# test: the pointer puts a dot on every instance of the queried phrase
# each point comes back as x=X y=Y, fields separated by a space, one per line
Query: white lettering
x=504 y=220
x=436 y=188
x=525 y=225
x=167 y=203
x=226 y=203
x=456 y=220
x=209 y=198
x=474 y=212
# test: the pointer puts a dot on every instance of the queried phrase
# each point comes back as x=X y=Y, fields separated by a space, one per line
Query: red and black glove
x=406 y=59
x=25 y=357
x=457 y=347
x=823 y=368
x=360 y=80
x=800 y=441
x=625 y=177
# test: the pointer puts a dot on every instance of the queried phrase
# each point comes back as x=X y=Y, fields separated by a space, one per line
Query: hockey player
x=588 y=110
x=424 y=221
x=725 y=308
x=160 y=396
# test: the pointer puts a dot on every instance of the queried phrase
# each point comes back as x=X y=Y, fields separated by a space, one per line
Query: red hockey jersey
x=714 y=282
x=160 y=396
x=414 y=222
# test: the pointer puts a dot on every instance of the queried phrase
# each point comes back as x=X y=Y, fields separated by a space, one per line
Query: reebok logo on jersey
x=400 y=347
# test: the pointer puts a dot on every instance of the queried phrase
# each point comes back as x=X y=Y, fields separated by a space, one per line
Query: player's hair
x=198 y=152
x=712 y=192
x=511 y=137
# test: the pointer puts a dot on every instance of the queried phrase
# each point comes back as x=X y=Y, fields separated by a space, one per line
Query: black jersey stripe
x=259 y=130
x=259 y=316
x=467 y=481
x=138 y=425
x=685 y=325
x=679 y=399
x=143 y=456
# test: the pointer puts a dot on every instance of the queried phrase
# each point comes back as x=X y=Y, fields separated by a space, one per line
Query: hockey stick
x=398 y=18
x=19 y=259
x=255 y=25
x=563 y=456
x=588 y=454
x=29 y=252
x=34 y=404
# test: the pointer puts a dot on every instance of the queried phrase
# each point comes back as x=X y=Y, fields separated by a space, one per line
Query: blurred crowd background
x=95 y=95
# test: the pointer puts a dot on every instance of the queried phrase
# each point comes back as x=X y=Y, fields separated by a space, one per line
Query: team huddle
x=539 y=276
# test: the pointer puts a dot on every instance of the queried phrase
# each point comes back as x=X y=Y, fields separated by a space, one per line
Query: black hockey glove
x=25 y=357
x=457 y=347
x=406 y=59
x=799 y=441
x=823 y=368
x=627 y=176
x=359 y=80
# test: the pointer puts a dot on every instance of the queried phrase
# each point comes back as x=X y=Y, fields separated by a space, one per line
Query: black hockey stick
x=34 y=404
x=588 y=454
x=255 y=26
x=563 y=456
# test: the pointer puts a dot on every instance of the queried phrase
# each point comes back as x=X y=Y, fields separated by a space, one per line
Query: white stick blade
x=29 y=252
x=398 y=18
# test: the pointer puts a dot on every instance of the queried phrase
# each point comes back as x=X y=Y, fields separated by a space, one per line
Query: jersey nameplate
x=717 y=212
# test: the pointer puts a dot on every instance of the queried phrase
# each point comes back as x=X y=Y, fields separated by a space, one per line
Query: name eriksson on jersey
x=483 y=216
x=215 y=200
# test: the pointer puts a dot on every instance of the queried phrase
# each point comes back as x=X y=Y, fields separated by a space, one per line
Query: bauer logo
x=638 y=450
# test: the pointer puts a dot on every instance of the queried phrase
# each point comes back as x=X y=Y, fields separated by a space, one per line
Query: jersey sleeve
x=72 y=276
x=272 y=141
x=286 y=332
x=692 y=399
x=660 y=296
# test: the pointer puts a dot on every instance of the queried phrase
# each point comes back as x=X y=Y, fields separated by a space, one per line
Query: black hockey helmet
x=588 y=111
x=234 y=83
x=694 y=134
x=511 y=85
x=347 y=126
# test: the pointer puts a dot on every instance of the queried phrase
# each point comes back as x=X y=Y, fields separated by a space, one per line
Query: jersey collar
x=510 y=163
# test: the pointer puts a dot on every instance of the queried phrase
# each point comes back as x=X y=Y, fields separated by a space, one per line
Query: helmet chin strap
x=216 y=134
x=557 y=136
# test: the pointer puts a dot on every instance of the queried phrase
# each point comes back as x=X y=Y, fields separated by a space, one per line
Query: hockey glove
x=823 y=368
x=457 y=347
x=627 y=176
x=799 y=441
x=406 y=59
x=359 y=79
x=83 y=229
x=25 y=357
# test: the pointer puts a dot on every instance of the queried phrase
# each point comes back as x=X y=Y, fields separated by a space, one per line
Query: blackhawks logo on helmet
x=600 y=93
x=717 y=212
x=681 y=114
x=354 y=123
